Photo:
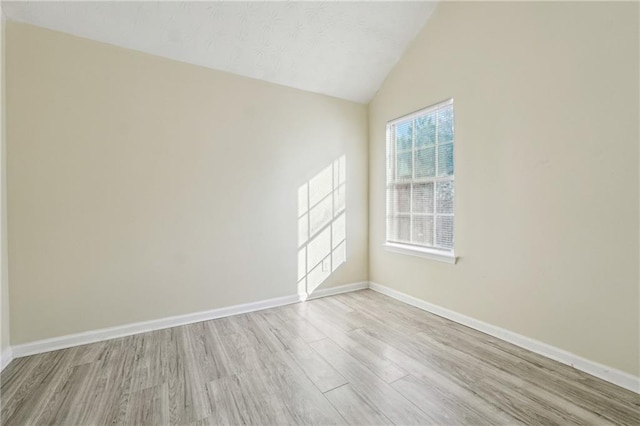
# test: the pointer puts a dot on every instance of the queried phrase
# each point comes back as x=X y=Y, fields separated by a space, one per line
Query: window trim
x=421 y=111
x=424 y=252
x=428 y=252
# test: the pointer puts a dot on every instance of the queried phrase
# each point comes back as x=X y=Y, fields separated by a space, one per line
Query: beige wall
x=4 y=270
x=546 y=101
x=141 y=187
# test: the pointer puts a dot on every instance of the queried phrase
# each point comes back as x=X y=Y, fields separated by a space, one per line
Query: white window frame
x=428 y=252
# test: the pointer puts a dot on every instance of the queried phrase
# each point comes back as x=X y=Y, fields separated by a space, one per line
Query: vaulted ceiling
x=342 y=49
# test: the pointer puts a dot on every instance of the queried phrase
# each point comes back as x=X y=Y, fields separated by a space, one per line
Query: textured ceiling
x=342 y=49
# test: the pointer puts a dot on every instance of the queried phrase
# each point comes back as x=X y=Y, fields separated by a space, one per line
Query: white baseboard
x=93 y=336
x=603 y=372
x=5 y=358
x=330 y=291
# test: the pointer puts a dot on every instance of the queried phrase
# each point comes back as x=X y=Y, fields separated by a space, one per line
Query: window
x=420 y=183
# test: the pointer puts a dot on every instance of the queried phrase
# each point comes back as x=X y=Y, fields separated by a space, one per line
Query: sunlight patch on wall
x=321 y=226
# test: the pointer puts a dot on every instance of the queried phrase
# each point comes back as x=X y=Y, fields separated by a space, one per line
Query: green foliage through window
x=420 y=185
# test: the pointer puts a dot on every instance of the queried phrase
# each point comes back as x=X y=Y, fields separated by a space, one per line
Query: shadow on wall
x=321 y=227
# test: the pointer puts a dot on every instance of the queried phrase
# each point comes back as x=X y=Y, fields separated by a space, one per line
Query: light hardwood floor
x=356 y=358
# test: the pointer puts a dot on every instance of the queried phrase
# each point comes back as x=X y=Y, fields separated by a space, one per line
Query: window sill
x=421 y=252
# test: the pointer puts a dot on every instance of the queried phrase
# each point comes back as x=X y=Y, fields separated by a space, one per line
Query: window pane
x=399 y=228
x=445 y=160
x=320 y=185
x=339 y=198
x=320 y=215
x=339 y=255
x=423 y=197
x=318 y=248
x=338 y=230
x=445 y=124
x=302 y=263
x=303 y=230
x=420 y=185
x=444 y=231
x=425 y=130
x=425 y=162
x=404 y=135
x=444 y=194
x=302 y=286
x=316 y=276
x=423 y=230
x=405 y=166
x=400 y=198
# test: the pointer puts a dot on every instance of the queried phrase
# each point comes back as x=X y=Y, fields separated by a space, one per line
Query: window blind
x=420 y=178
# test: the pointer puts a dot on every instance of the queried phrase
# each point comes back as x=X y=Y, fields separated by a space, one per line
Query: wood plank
x=379 y=365
x=370 y=387
x=355 y=409
x=527 y=404
x=537 y=375
x=447 y=405
x=149 y=406
x=53 y=372
x=353 y=358
x=319 y=371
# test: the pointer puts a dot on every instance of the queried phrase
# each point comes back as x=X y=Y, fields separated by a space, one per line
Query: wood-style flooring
x=356 y=358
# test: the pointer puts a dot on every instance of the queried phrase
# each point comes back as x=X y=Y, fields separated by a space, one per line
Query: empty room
x=318 y=213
